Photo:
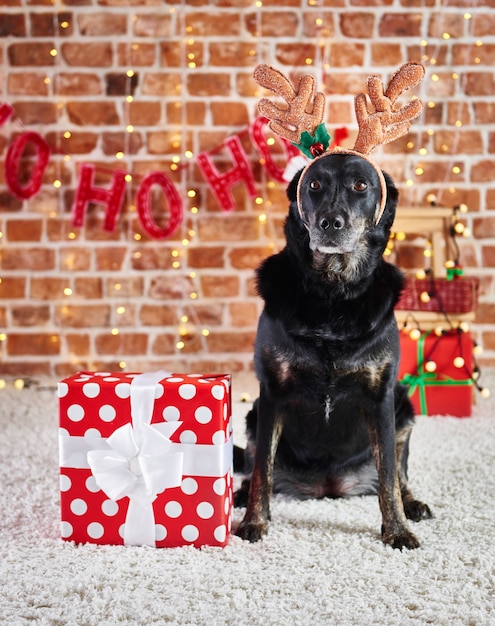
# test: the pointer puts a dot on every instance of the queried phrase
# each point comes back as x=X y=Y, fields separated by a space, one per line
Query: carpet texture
x=321 y=563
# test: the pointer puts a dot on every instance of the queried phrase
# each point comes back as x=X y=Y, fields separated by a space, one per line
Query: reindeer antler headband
x=301 y=122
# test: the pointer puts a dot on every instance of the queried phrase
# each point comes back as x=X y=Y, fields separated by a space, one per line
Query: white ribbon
x=139 y=460
x=139 y=463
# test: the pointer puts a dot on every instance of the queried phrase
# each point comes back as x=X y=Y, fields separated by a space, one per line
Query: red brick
x=482 y=23
x=136 y=55
x=213 y=22
x=274 y=24
x=203 y=256
x=231 y=341
x=12 y=287
x=110 y=258
x=162 y=84
x=32 y=54
x=488 y=255
x=152 y=25
x=77 y=344
x=479 y=83
x=152 y=257
x=171 y=287
x=76 y=143
x=36 y=344
x=243 y=314
x=158 y=315
x=345 y=54
x=145 y=113
x=24 y=230
x=294 y=55
x=385 y=54
x=93 y=113
x=483 y=171
x=36 y=112
x=208 y=314
x=130 y=143
x=50 y=24
x=357 y=25
x=400 y=25
x=164 y=344
x=82 y=316
x=453 y=24
x=27 y=84
x=12 y=25
x=8 y=203
x=28 y=315
x=249 y=258
x=88 y=288
x=231 y=227
x=220 y=286
x=235 y=112
x=97 y=54
x=123 y=343
x=458 y=141
x=231 y=54
x=33 y=259
x=78 y=84
x=484 y=227
x=102 y=24
x=208 y=84
x=75 y=259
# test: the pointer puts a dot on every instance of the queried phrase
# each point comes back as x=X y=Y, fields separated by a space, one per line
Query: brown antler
x=386 y=124
x=305 y=107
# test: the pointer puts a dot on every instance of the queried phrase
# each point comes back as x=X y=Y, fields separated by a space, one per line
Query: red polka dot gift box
x=146 y=459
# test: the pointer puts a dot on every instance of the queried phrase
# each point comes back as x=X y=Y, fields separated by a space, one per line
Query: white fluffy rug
x=321 y=563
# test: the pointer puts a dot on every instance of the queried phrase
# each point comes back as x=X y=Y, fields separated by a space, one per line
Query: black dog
x=331 y=419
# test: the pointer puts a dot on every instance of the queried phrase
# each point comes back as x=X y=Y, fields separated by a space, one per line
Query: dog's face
x=339 y=199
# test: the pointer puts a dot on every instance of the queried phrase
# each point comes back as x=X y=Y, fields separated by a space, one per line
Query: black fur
x=331 y=417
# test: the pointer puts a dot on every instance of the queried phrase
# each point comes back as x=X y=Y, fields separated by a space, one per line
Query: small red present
x=438 y=372
x=439 y=295
x=146 y=459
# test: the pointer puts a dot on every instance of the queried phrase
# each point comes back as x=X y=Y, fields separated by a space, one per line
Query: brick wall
x=142 y=87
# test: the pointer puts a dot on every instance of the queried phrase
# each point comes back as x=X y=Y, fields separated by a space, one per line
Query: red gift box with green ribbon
x=438 y=369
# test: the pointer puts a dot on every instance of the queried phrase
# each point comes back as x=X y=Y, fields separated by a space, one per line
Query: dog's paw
x=252 y=531
x=400 y=540
x=416 y=510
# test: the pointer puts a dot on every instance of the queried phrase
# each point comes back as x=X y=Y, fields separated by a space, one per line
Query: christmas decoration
x=300 y=121
x=146 y=459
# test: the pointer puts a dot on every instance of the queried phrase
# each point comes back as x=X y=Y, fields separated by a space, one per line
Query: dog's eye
x=360 y=185
x=314 y=185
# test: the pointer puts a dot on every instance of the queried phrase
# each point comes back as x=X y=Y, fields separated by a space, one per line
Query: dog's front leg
x=381 y=429
x=269 y=428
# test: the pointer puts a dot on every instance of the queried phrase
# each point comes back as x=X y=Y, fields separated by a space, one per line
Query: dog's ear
x=391 y=205
x=292 y=188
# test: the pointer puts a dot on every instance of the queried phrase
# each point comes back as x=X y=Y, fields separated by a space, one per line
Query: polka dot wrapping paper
x=146 y=459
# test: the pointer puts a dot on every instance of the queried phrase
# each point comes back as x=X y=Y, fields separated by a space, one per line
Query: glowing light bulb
x=415 y=334
x=458 y=362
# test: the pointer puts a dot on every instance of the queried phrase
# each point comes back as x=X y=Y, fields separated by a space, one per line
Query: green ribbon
x=421 y=378
x=307 y=140
x=452 y=272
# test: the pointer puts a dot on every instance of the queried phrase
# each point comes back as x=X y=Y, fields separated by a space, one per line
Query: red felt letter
x=221 y=183
x=143 y=205
x=5 y=112
x=260 y=141
x=86 y=193
x=13 y=160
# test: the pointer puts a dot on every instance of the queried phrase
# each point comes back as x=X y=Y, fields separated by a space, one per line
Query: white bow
x=139 y=463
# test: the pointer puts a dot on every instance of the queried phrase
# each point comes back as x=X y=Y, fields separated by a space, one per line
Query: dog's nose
x=336 y=222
